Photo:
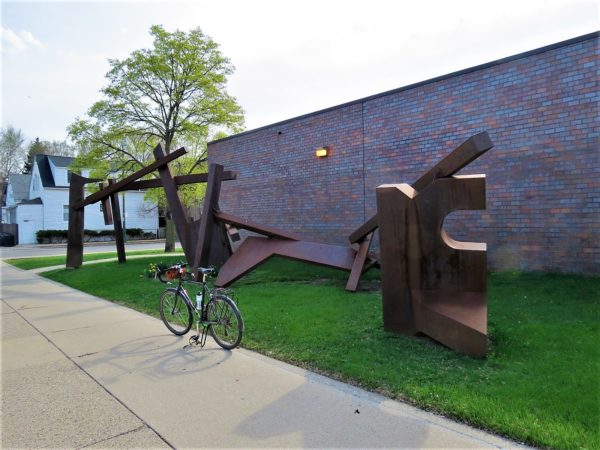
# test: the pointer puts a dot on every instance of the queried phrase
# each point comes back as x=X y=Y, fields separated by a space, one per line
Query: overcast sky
x=291 y=57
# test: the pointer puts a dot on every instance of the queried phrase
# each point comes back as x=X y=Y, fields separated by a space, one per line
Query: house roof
x=60 y=161
x=33 y=201
x=20 y=185
x=44 y=167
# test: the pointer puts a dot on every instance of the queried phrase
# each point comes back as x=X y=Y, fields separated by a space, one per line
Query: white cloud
x=22 y=41
x=291 y=58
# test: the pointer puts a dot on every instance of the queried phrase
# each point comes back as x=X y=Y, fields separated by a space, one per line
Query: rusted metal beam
x=358 y=267
x=465 y=153
x=208 y=225
x=365 y=229
x=131 y=178
x=118 y=227
x=255 y=250
x=233 y=232
x=106 y=210
x=76 y=220
x=178 y=214
x=244 y=224
x=179 y=180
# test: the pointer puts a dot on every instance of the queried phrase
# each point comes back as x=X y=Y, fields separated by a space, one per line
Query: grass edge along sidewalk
x=57 y=260
x=539 y=383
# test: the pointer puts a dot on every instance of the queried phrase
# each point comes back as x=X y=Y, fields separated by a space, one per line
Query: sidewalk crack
x=86 y=354
x=115 y=436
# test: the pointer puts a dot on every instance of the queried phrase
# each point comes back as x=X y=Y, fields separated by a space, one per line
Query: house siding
x=139 y=213
x=29 y=219
x=543 y=175
x=50 y=214
x=36 y=182
x=10 y=198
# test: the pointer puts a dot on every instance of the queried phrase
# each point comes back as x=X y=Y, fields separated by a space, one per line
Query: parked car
x=7 y=240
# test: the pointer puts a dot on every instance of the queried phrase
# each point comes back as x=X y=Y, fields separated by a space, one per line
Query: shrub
x=51 y=236
x=135 y=232
x=56 y=236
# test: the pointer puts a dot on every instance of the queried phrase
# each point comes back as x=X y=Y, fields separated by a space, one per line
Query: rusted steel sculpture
x=255 y=250
x=206 y=242
x=212 y=245
x=108 y=195
x=432 y=284
x=76 y=219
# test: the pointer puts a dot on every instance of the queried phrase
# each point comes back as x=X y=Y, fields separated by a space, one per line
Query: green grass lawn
x=48 y=261
x=539 y=384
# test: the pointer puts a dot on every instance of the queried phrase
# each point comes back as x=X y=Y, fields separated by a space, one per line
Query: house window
x=66 y=213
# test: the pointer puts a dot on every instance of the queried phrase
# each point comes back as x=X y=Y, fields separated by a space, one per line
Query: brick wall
x=540 y=109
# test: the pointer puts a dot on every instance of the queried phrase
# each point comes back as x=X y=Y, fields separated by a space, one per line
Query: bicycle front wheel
x=226 y=324
x=175 y=312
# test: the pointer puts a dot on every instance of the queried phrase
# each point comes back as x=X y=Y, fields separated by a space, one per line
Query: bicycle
x=219 y=315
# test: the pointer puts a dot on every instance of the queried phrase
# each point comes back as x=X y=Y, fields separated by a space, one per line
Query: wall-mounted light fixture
x=322 y=152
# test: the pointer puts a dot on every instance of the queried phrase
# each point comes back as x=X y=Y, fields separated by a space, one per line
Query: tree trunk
x=170 y=235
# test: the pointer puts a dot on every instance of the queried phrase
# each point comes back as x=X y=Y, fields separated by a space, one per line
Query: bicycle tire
x=226 y=323
x=175 y=312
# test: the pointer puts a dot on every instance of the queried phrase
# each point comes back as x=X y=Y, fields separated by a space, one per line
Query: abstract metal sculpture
x=186 y=229
x=255 y=250
x=432 y=284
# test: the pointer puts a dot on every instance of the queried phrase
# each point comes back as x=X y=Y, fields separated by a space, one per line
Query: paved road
x=79 y=372
x=28 y=251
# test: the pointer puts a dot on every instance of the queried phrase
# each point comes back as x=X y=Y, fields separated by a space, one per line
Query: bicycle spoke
x=226 y=322
x=175 y=313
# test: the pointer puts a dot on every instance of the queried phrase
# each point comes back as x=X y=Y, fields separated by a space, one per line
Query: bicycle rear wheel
x=175 y=312
x=226 y=323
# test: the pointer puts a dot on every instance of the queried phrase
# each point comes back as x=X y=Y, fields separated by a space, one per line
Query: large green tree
x=173 y=93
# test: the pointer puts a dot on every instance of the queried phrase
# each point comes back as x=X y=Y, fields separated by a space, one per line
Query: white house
x=46 y=204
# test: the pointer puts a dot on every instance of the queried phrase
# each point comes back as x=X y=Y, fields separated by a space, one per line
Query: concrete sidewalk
x=78 y=371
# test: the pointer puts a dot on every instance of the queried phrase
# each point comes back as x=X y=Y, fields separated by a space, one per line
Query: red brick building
x=540 y=109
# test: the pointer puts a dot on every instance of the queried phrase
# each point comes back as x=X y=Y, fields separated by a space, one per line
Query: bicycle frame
x=216 y=315
x=200 y=314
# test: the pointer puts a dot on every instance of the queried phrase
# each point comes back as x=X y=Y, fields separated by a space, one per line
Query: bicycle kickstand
x=199 y=338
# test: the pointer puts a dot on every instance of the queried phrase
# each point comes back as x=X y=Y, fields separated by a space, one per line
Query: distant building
x=40 y=201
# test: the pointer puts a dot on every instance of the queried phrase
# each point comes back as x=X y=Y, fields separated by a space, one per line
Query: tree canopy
x=37 y=147
x=173 y=93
